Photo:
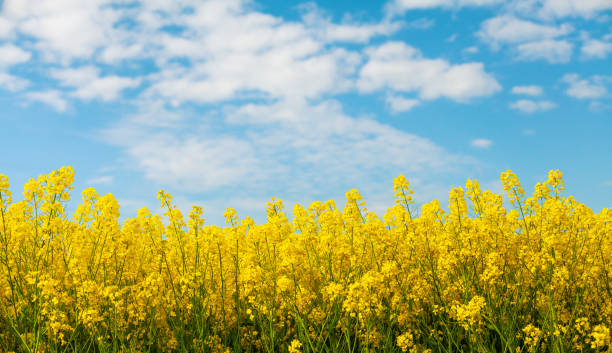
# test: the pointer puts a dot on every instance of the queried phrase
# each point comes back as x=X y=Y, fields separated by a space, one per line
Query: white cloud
x=212 y=58
x=52 y=98
x=509 y=29
x=551 y=9
x=225 y=42
x=89 y=85
x=595 y=49
x=599 y=107
x=530 y=40
x=403 y=68
x=529 y=106
x=471 y=50
x=482 y=143
x=563 y=8
x=11 y=55
x=592 y=88
x=529 y=132
x=553 y=51
x=356 y=33
x=399 y=104
x=398 y=7
x=12 y=83
x=282 y=71
x=6 y=27
x=64 y=29
x=115 y=53
x=101 y=180
x=288 y=145
x=284 y=131
x=321 y=25
x=421 y=23
x=531 y=90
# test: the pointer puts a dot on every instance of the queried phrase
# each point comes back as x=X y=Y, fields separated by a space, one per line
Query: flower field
x=478 y=277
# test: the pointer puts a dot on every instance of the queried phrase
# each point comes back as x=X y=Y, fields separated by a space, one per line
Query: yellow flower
x=295 y=347
x=405 y=341
x=601 y=336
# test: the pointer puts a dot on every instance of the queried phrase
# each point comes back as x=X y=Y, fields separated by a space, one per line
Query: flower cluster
x=475 y=277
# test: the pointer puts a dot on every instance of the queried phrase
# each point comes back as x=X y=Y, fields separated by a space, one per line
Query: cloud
x=11 y=55
x=398 y=7
x=210 y=56
x=101 y=180
x=481 y=143
x=563 y=8
x=226 y=41
x=592 y=88
x=114 y=53
x=529 y=106
x=12 y=83
x=52 y=98
x=399 y=104
x=599 y=107
x=286 y=70
x=553 y=51
x=421 y=23
x=510 y=29
x=531 y=90
x=235 y=101
x=89 y=85
x=595 y=49
x=64 y=29
x=471 y=50
x=317 y=21
x=530 y=40
x=6 y=27
x=287 y=145
x=402 y=68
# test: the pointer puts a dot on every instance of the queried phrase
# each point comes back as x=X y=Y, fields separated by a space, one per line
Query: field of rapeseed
x=475 y=278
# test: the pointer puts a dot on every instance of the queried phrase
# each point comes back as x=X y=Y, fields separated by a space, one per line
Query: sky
x=227 y=103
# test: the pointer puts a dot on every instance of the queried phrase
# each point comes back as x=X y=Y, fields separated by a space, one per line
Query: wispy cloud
x=482 y=143
x=12 y=83
x=89 y=85
x=324 y=145
x=549 y=9
x=398 y=7
x=101 y=180
x=320 y=23
x=11 y=55
x=52 y=98
x=399 y=104
x=553 y=51
x=530 y=106
x=596 y=49
x=506 y=29
x=531 y=90
x=530 y=40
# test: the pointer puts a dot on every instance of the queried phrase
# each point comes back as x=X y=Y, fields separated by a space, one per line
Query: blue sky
x=230 y=102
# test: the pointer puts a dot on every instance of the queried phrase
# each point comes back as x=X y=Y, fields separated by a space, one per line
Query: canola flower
x=476 y=278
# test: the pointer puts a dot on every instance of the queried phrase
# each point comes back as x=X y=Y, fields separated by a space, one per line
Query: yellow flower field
x=475 y=278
